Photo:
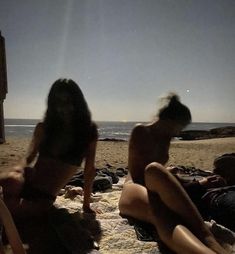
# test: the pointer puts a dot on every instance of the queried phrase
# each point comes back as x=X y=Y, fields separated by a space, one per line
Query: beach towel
x=118 y=235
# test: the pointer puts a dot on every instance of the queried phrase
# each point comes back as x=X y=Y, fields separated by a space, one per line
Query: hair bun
x=169 y=99
x=172 y=109
x=173 y=98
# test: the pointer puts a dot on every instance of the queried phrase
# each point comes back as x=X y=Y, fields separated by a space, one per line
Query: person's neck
x=163 y=129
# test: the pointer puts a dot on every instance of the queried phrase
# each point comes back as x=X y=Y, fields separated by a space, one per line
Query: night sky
x=124 y=54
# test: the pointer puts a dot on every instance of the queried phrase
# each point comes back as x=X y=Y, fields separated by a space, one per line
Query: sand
x=199 y=153
x=118 y=236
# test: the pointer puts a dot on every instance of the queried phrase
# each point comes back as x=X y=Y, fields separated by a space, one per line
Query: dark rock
x=194 y=134
x=102 y=183
x=121 y=172
x=108 y=165
x=106 y=172
x=222 y=132
x=228 y=131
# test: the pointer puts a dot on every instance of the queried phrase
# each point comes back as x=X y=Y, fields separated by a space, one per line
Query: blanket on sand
x=118 y=236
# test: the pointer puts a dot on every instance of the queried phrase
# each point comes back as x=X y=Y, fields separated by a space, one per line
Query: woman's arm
x=89 y=174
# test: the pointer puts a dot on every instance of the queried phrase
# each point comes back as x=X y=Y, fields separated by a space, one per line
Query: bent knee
x=154 y=167
x=155 y=171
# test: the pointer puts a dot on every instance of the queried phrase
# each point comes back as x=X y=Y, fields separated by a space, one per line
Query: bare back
x=49 y=174
x=145 y=147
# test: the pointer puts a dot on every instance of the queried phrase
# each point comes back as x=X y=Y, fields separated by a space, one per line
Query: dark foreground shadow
x=60 y=232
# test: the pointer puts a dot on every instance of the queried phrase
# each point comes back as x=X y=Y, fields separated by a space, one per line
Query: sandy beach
x=117 y=235
x=198 y=153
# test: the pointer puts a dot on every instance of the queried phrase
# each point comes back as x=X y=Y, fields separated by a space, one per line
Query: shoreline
x=121 y=131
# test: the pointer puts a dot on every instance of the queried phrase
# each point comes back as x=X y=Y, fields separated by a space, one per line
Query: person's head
x=174 y=110
x=67 y=112
x=224 y=166
x=66 y=100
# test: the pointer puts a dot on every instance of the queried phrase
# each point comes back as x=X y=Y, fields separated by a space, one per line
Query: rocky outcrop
x=228 y=131
x=222 y=132
x=194 y=134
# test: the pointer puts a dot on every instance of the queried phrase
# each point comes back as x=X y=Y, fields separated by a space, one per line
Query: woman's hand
x=213 y=181
x=87 y=209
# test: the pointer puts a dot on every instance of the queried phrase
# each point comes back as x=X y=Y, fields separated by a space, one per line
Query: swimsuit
x=31 y=193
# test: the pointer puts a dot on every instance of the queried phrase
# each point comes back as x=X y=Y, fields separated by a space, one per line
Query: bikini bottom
x=31 y=193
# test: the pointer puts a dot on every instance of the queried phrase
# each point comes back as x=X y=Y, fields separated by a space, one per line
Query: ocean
x=107 y=130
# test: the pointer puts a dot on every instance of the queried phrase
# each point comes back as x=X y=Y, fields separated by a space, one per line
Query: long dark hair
x=174 y=110
x=81 y=128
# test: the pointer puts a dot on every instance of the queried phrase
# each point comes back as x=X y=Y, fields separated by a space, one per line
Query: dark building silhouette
x=3 y=85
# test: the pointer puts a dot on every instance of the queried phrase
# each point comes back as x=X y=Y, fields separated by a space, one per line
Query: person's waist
x=32 y=193
x=66 y=159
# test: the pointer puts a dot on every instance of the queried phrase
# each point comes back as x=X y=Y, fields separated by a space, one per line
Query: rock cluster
x=222 y=132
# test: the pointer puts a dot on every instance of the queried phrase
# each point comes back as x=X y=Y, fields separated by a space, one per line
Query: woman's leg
x=134 y=202
x=163 y=186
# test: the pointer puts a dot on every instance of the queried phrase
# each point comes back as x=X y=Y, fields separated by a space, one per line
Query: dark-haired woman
x=66 y=137
x=152 y=194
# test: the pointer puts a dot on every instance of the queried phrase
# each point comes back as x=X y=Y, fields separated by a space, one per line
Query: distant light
x=187 y=90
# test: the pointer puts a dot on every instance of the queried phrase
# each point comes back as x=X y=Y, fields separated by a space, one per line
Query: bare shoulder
x=139 y=133
x=39 y=125
x=39 y=129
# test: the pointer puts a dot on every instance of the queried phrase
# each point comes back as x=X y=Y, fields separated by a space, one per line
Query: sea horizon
x=134 y=121
x=117 y=130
